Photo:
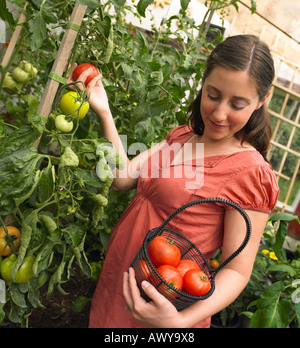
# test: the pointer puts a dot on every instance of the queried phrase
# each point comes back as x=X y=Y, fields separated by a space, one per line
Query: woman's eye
x=212 y=97
x=238 y=107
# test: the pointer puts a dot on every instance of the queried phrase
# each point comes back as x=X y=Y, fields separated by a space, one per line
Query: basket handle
x=214 y=200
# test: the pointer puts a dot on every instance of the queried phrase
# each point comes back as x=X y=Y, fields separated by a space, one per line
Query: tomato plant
x=163 y=252
x=171 y=276
x=83 y=67
x=186 y=265
x=10 y=240
x=196 y=282
x=72 y=104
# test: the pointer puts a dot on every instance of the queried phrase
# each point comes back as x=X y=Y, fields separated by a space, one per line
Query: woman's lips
x=217 y=126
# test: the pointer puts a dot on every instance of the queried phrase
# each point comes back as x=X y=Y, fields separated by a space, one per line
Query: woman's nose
x=220 y=113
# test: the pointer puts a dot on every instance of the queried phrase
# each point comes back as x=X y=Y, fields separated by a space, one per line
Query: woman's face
x=228 y=100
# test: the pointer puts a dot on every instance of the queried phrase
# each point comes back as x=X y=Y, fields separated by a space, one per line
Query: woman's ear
x=261 y=103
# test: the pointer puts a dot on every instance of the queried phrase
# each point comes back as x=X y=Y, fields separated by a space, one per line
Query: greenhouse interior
x=95 y=96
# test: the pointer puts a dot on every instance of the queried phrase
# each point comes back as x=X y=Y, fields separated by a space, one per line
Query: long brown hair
x=243 y=53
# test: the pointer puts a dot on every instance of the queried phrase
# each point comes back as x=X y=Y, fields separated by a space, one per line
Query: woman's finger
x=96 y=81
x=153 y=294
x=126 y=291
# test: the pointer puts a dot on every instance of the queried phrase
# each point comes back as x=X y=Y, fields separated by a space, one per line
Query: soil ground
x=58 y=312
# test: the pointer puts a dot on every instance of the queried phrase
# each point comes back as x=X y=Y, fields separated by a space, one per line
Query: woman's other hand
x=159 y=312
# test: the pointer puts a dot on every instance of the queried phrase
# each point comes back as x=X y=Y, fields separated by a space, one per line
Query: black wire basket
x=145 y=270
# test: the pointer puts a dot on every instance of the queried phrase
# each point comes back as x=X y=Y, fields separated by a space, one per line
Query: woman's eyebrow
x=235 y=97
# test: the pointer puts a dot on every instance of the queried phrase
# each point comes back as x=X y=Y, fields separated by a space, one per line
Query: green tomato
x=24 y=273
x=71 y=210
x=29 y=68
x=62 y=124
x=20 y=75
x=70 y=104
x=10 y=85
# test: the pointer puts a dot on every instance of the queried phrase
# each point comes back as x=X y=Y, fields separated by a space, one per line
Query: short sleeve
x=254 y=188
x=179 y=134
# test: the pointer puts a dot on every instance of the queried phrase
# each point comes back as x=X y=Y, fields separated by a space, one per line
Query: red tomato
x=83 y=67
x=163 y=252
x=171 y=276
x=13 y=235
x=196 y=282
x=186 y=265
x=214 y=264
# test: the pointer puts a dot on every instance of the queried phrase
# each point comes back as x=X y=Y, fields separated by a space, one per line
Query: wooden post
x=14 y=39
x=61 y=60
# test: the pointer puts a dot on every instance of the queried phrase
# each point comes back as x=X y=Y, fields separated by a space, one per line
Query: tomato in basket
x=163 y=252
x=196 y=282
x=171 y=276
x=186 y=265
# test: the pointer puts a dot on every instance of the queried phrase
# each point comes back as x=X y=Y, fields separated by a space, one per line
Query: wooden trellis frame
x=281 y=117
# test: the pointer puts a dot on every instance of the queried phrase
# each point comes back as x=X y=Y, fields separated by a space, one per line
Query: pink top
x=243 y=177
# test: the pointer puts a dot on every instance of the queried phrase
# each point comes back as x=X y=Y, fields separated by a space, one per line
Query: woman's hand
x=95 y=91
x=157 y=313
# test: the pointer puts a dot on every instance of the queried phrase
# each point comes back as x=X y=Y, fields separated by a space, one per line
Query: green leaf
x=272 y=312
x=26 y=233
x=142 y=6
x=282 y=268
x=90 y=3
x=118 y=3
x=274 y=316
x=20 y=200
x=38 y=30
x=253 y=6
x=17 y=140
x=17 y=172
x=33 y=104
x=280 y=237
x=45 y=185
x=270 y=295
x=284 y=217
x=5 y=14
x=69 y=158
x=79 y=303
x=296 y=308
x=87 y=177
x=184 y=4
x=56 y=277
x=17 y=296
x=156 y=78
x=43 y=258
x=75 y=233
